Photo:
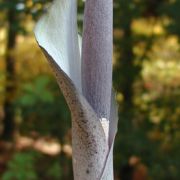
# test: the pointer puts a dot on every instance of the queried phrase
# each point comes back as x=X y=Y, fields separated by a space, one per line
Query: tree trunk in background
x=10 y=88
x=125 y=70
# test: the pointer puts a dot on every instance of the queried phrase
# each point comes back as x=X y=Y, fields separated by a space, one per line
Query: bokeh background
x=35 y=134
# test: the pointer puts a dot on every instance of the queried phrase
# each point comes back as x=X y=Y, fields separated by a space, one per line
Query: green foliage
x=171 y=10
x=28 y=166
x=55 y=171
x=41 y=104
x=35 y=92
x=21 y=167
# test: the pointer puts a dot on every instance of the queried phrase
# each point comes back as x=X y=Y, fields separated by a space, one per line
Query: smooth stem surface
x=97 y=55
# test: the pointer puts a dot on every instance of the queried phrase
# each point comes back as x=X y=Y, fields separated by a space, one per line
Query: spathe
x=56 y=34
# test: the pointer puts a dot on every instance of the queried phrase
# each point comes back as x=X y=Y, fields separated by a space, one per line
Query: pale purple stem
x=97 y=55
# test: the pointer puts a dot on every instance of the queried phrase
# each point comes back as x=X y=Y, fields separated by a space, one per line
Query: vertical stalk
x=97 y=55
x=92 y=146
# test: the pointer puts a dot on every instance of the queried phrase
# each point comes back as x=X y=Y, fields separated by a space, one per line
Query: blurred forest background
x=35 y=134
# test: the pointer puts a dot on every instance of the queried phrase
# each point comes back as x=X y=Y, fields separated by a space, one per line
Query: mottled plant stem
x=92 y=135
x=97 y=55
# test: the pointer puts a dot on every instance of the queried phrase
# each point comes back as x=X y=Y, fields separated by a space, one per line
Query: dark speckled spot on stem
x=87 y=171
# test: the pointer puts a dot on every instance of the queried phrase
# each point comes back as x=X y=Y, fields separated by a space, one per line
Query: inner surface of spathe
x=105 y=125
